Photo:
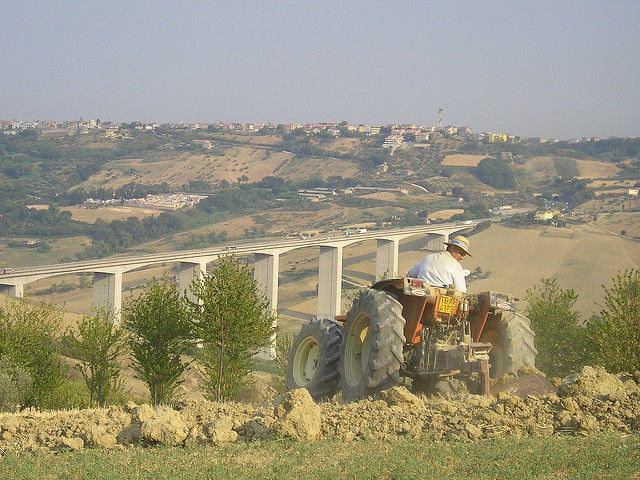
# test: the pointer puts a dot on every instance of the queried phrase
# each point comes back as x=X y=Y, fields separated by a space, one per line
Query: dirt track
x=586 y=403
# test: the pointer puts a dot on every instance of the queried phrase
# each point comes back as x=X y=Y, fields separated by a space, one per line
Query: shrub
x=616 y=330
x=233 y=320
x=15 y=383
x=283 y=345
x=161 y=333
x=68 y=394
x=562 y=344
x=28 y=333
x=98 y=344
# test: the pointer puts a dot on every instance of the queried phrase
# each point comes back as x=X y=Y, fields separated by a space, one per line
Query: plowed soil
x=584 y=404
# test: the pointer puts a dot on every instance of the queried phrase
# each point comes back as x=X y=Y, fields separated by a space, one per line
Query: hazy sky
x=531 y=68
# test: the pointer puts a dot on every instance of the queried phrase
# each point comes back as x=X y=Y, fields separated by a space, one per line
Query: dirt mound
x=529 y=381
x=595 y=382
x=298 y=416
x=588 y=402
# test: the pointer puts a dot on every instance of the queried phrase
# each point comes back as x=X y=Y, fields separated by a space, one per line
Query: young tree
x=98 y=344
x=15 y=383
x=616 y=331
x=28 y=335
x=562 y=344
x=233 y=320
x=161 y=333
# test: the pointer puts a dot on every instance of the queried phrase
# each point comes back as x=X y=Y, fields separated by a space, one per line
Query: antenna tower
x=440 y=117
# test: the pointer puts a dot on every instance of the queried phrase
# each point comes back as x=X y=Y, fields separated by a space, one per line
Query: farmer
x=443 y=268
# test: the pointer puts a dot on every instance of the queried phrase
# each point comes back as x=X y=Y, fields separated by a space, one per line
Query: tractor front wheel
x=313 y=358
x=512 y=341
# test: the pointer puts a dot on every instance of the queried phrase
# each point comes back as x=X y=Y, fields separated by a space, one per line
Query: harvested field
x=540 y=168
x=27 y=257
x=585 y=404
x=462 y=160
x=444 y=214
x=627 y=221
x=611 y=183
x=386 y=196
x=612 y=191
x=90 y=215
x=177 y=169
x=595 y=169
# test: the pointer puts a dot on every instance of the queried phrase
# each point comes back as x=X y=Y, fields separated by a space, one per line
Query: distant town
x=397 y=134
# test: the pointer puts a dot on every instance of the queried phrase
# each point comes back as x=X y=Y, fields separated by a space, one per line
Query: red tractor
x=403 y=331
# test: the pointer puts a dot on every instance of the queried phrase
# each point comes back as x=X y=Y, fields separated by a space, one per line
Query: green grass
x=598 y=457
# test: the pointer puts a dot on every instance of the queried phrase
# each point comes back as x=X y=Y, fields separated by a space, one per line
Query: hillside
x=253 y=181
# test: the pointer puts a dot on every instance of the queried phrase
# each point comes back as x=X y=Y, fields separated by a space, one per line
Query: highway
x=132 y=262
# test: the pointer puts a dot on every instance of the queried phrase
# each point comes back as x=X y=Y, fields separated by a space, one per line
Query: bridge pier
x=188 y=271
x=15 y=291
x=265 y=271
x=330 y=281
x=435 y=241
x=107 y=290
x=387 y=258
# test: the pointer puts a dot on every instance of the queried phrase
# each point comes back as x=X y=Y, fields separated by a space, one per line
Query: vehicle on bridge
x=7 y=271
x=404 y=331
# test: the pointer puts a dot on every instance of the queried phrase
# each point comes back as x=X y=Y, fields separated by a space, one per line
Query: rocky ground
x=583 y=404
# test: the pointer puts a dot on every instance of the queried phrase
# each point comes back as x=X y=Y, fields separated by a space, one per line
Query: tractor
x=404 y=331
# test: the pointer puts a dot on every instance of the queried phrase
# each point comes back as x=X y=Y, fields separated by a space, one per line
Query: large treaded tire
x=372 y=347
x=313 y=358
x=512 y=338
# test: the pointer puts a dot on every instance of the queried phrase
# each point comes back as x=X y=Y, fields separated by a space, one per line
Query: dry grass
x=444 y=214
x=301 y=168
x=255 y=163
x=595 y=169
x=385 y=196
x=541 y=168
x=611 y=183
x=338 y=145
x=627 y=221
x=27 y=257
x=619 y=191
x=462 y=160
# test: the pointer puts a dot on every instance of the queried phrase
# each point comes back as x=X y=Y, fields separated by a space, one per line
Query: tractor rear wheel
x=313 y=358
x=372 y=347
x=512 y=343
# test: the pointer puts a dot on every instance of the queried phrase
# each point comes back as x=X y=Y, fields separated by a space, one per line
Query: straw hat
x=461 y=242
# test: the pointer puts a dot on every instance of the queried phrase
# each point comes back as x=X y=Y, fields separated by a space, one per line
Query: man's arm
x=458 y=279
x=414 y=271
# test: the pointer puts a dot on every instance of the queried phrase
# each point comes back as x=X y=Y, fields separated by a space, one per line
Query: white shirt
x=440 y=270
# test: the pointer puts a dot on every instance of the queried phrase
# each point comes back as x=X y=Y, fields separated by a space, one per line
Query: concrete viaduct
x=107 y=274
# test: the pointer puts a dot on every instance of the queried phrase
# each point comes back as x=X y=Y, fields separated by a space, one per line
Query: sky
x=536 y=68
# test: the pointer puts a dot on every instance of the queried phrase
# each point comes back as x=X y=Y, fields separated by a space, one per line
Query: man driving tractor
x=443 y=268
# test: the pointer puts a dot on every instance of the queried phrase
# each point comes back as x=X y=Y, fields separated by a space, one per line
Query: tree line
x=610 y=338
x=220 y=323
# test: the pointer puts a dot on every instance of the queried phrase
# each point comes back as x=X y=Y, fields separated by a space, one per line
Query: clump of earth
x=528 y=405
